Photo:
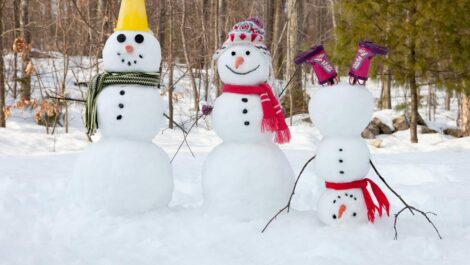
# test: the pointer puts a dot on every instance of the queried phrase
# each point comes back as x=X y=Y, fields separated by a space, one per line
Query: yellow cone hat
x=132 y=16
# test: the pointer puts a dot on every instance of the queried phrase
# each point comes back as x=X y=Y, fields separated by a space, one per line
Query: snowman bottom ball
x=246 y=181
x=122 y=176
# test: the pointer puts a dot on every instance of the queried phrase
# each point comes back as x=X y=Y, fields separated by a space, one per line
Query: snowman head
x=132 y=51
x=132 y=47
x=244 y=59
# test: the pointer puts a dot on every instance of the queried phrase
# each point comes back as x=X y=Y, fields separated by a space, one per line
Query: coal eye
x=139 y=38
x=121 y=38
x=247 y=52
x=234 y=53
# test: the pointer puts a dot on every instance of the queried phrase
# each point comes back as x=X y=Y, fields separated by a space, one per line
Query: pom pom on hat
x=247 y=32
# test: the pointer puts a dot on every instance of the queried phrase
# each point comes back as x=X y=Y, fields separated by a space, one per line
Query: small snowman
x=341 y=112
x=247 y=176
x=124 y=171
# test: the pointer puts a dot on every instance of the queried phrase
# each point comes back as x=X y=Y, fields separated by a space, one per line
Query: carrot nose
x=129 y=48
x=341 y=210
x=239 y=61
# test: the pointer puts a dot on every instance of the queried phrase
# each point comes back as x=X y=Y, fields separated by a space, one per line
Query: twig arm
x=287 y=207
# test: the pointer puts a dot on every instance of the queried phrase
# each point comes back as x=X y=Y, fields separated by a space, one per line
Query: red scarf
x=362 y=184
x=273 y=116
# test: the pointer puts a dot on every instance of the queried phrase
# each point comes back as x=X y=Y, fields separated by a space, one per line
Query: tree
x=2 y=74
x=423 y=42
x=26 y=60
x=296 y=100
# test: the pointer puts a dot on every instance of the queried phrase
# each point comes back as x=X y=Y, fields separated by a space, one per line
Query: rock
x=427 y=130
x=453 y=132
x=367 y=134
x=373 y=128
x=376 y=143
x=383 y=128
x=401 y=123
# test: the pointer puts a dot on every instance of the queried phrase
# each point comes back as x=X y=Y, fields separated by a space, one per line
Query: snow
x=38 y=228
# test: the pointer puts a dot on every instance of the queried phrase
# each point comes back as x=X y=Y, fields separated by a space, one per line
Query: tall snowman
x=124 y=172
x=341 y=112
x=247 y=176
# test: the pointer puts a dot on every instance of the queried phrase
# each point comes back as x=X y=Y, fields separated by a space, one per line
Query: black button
x=122 y=92
x=341 y=160
x=245 y=111
x=119 y=117
x=341 y=149
x=334 y=216
x=247 y=123
x=354 y=214
x=341 y=172
x=121 y=105
x=245 y=100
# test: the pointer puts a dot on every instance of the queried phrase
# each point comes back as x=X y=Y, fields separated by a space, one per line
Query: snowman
x=124 y=171
x=247 y=176
x=341 y=112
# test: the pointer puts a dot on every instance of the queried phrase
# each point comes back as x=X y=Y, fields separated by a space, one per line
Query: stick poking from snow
x=407 y=206
x=287 y=207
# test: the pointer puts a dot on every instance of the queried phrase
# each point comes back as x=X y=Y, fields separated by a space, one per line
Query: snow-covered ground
x=36 y=226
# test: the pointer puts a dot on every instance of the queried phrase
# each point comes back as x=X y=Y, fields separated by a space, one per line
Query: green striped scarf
x=99 y=81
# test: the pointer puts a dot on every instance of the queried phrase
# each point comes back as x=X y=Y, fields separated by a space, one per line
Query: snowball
x=354 y=209
x=341 y=110
x=137 y=57
x=122 y=176
x=246 y=180
x=229 y=119
x=253 y=71
x=141 y=115
x=342 y=159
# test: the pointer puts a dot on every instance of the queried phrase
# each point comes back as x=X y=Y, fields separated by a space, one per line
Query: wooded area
x=429 y=44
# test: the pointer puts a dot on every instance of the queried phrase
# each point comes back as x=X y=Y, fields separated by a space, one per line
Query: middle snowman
x=247 y=176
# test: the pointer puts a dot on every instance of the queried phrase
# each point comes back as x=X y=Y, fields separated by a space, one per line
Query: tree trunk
x=268 y=22
x=412 y=80
x=161 y=29
x=26 y=60
x=276 y=47
x=16 y=17
x=2 y=72
x=414 y=109
x=296 y=94
x=386 y=97
x=170 y=65
x=187 y=59
x=221 y=6
x=465 y=113
x=447 y=99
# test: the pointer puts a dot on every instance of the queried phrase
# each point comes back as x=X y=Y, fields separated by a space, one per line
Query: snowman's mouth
x=129 y=61
x=242 y=73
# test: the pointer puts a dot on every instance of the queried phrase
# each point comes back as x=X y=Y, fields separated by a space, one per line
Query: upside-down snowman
x=341 y=112
x=124 y=171
x=247 y=176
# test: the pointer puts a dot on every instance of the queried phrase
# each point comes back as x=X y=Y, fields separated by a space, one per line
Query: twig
x=425 y=214
x=287 y=207
x=185 y=136
x=390 y=188
x=407 y=206
x=297 y=68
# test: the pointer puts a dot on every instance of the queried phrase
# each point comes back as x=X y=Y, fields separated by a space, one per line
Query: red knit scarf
x=273 y=116
x=362 y=184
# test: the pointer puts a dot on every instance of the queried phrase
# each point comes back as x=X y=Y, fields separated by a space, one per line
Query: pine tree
x=424 y=37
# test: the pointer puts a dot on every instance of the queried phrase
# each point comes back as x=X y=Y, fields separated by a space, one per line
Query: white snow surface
x=37 y=228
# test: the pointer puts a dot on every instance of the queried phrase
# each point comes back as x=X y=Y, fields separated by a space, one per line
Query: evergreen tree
x=428 y=42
